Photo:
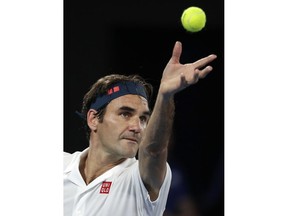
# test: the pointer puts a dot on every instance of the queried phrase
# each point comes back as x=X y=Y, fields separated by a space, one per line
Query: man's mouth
x=132 y=139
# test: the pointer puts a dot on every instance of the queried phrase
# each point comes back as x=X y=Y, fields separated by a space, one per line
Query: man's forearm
x=153 y=149
x=160 y=125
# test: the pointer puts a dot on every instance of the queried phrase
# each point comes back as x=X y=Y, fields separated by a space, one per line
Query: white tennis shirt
x=117 y=192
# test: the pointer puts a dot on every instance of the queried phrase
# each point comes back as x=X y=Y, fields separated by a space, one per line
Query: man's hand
x=177 y=76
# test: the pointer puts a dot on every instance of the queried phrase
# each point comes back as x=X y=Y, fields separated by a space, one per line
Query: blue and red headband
x=116 y=90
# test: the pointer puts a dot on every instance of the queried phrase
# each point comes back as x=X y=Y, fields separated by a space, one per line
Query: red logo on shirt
x=105 y=188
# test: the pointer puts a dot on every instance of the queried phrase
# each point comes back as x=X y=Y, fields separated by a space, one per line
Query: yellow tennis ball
x=193 y=19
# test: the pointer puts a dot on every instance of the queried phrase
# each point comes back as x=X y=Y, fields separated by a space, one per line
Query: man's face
x=123 y=125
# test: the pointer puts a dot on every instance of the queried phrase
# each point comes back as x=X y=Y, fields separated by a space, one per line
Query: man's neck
x=92 y=166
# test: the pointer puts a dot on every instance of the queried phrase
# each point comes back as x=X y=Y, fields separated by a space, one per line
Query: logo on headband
x=113 y=90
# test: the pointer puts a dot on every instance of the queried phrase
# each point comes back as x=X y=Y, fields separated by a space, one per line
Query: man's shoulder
x=69 y=158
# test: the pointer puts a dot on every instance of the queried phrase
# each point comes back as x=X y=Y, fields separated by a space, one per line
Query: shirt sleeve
x=156 y=207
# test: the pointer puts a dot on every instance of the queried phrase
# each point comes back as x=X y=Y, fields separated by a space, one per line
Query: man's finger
x=204 y=61
x=177 y=50
x=203 y=73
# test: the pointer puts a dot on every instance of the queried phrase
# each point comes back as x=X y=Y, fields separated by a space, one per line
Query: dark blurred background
x=137 y=37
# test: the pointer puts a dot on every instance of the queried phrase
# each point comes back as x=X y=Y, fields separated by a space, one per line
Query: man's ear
x=92 y=119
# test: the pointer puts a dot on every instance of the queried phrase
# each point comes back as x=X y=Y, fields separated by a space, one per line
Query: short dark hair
x=101 y=86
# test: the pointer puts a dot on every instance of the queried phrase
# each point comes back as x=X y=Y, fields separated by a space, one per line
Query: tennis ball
x=193 y=19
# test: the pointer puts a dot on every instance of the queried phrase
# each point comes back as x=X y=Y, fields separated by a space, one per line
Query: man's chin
x=131 y=154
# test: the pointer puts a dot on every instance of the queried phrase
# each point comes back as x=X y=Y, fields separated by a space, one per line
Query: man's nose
x=135 y=125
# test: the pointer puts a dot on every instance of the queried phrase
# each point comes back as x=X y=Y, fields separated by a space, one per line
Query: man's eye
x=143 y=119
x=125 y=114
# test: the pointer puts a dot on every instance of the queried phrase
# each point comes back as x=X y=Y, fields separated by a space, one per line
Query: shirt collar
x=73 y=173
